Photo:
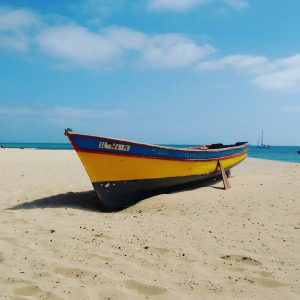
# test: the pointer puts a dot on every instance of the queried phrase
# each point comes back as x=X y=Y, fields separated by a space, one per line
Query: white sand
x=206 y=243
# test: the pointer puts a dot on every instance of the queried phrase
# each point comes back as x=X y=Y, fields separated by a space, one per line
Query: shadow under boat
x=89 y=200
x=81 y=200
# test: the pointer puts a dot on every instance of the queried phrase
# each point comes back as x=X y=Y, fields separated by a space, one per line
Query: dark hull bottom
x=119 y=194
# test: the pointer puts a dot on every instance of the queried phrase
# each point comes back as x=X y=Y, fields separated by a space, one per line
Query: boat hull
x=118 y=194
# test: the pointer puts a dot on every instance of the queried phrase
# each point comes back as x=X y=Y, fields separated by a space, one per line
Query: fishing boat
x=260 y=143
x=124 y=172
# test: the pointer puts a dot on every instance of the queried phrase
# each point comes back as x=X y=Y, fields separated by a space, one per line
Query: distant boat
x=260 y=143
x=124 y=172
x=298 y=151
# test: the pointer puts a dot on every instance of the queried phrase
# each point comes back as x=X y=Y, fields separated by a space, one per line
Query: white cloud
x=74 y=45
x=172 y=51
x=101 y=7
x=16 y=111
x=81 y=113
x=13 y=27
x=291 y=108
x=279 y=74
x=126 y=38
x=176 y=5
x=15 y=20
x=248 y=63
x=78 y=46
x=65 y=113
x=238 y=4
x=287 y=79
x=16 y=42
x=184 y=5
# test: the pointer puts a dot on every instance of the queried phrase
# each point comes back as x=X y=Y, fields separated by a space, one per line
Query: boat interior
x=218 y=146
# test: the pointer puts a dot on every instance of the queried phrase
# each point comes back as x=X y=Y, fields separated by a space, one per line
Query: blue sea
x=281 y=153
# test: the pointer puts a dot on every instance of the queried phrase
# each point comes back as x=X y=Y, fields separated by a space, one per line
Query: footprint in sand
x=144 y=289
x=237 y=269
x=242 y=259
x=158 y=251
x=104 y=258
x=9 y=240
x=41 y=274
x=189 y=260
x=72 y=272
x=34 y=291
x=269 y=283
x=264 y=273
x=19 y=221
x=14 y=242
x=1 y=258
x=161 y=251
x=265 y=282
x=104 y=236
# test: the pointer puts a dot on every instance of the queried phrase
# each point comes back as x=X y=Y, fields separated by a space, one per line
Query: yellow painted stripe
x=107 y=167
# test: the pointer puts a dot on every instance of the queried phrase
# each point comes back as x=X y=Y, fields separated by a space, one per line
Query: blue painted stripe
x=92 y=144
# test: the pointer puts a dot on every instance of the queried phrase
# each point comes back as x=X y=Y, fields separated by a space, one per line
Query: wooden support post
x=224 y=176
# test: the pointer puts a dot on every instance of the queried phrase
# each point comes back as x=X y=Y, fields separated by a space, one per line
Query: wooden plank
x=224 y=176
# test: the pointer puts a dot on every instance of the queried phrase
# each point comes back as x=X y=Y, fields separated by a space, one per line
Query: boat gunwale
x=70 y=133
x=162 y=158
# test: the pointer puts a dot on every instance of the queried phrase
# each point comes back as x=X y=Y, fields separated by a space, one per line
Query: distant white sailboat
x=260 y=143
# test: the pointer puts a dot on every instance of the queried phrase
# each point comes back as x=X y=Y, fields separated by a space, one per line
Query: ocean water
x=46 y=146
x=281 y=153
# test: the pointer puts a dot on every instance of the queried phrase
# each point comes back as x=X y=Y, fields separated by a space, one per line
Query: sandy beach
x=57 y=242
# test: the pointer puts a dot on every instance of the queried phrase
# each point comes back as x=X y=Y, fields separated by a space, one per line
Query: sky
x=155 y=71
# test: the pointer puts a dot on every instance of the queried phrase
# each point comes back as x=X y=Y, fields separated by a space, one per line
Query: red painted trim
x=73 y=144
x=155 y=157
x=69 y=134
